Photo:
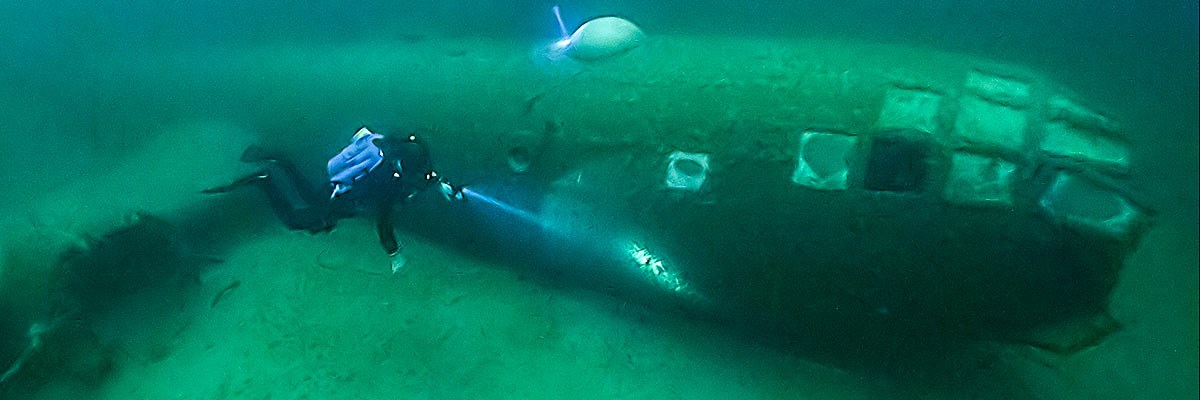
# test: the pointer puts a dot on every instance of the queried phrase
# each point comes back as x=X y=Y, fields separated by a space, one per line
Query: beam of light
x=645 y=263
x=558 y=49
x=522 y=215
x=561 y=27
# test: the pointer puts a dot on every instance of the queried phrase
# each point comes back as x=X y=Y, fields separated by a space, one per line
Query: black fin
x=253 y=178
x=256 y=153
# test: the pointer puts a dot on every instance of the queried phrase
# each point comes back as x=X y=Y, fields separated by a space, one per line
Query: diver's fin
x=256 y=153
x=253 y=178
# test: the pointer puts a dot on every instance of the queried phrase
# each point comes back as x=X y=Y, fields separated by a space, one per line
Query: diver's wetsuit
x=404 y=171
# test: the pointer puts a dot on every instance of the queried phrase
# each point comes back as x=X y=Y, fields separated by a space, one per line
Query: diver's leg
x=294 y=200
x=297 y=204
x=304 y=189
x=256 y=154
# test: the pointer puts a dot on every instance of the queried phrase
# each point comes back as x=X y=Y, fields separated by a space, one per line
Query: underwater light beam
x=506 y=208
x=561 y=27
x=646 y=264
x=557 y=50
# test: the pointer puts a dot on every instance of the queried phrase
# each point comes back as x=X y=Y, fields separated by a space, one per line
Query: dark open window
x=897 y=164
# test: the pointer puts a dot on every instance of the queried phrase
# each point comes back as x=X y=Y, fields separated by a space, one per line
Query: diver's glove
x=354 y=162
x=449 y=191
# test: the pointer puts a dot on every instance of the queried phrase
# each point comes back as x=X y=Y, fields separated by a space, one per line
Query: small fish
x=221 y=294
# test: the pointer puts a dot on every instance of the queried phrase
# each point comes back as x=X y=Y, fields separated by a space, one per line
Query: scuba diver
x=373 y=171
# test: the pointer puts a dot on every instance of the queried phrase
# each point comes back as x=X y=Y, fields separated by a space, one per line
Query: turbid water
x=110 y=109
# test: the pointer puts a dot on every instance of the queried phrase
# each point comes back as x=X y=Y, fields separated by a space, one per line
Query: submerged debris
x=35 y=333
x=142 y=253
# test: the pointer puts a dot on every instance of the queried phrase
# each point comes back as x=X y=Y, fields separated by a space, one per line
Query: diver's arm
x=387 y=235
